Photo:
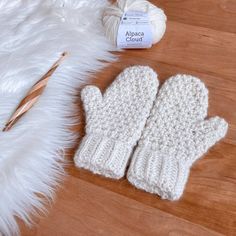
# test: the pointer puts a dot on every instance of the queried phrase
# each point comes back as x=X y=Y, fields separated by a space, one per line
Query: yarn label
x=134 y=30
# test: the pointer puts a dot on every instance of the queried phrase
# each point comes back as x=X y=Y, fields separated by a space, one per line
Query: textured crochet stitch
x=115 y=120
x=175 y=136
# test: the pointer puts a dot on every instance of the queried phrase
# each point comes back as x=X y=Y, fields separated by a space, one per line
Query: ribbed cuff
x=158 y=172
x=102 y=155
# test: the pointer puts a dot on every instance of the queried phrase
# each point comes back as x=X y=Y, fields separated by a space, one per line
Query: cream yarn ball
x=112 y=17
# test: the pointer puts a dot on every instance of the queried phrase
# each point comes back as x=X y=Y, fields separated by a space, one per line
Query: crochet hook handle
x=33 y=95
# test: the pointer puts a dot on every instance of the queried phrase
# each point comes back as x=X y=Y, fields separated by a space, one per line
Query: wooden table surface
x=200 y=40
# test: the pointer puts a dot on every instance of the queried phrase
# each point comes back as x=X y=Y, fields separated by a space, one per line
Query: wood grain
x=215 y=14
x=200 y=40
x=86 y=209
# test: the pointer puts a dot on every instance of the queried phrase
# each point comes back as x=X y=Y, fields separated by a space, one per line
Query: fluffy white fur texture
x=33 y=35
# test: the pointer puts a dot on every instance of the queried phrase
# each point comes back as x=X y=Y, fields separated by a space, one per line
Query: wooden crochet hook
x=33 y=95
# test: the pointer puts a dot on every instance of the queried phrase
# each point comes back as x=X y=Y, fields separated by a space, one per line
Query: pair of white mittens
x=170 y=127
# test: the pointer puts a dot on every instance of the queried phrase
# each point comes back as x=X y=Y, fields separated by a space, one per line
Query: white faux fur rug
x=33 y=35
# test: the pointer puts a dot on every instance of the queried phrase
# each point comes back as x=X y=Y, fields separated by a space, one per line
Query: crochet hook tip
x=64 y=54
x=62 y=58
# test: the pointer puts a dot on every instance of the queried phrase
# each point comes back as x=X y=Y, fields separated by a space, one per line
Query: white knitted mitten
x=175 y=136
x=115 y=120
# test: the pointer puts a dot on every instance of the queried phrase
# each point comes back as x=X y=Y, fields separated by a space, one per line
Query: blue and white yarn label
x=134 y=31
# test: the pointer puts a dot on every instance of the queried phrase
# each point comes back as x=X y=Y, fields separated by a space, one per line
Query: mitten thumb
x=207 y=133
x=91 y=97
